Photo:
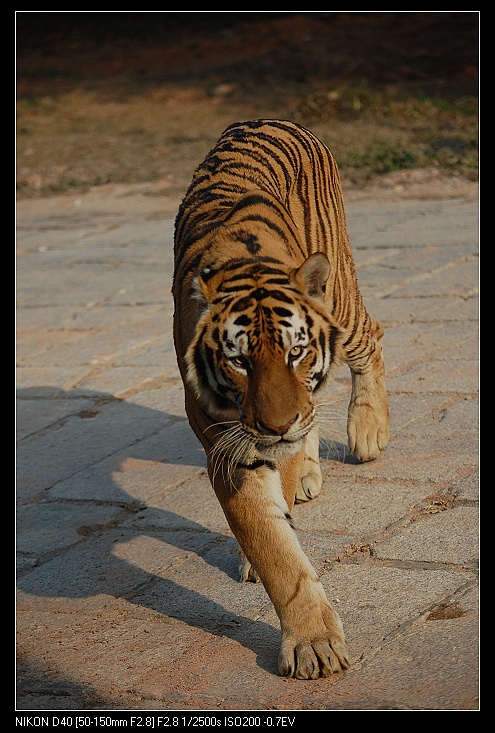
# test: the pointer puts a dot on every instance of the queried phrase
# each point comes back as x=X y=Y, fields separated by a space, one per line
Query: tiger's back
x=279 y=178
x=267 y=305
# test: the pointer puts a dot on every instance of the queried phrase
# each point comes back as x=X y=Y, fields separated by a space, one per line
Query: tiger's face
x=263 y=347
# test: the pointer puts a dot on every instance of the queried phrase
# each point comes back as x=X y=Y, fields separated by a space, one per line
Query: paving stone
x=128 y=592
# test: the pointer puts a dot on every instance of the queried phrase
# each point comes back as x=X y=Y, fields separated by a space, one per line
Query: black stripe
x=283 y=312
x=279 y=295
x=241 y=305
x=209 y=360
x=255 y=265
x=242 y=321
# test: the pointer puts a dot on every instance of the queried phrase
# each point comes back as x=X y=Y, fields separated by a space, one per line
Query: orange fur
x=267 y=306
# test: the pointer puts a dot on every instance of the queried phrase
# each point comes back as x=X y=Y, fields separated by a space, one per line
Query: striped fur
x=267 y=305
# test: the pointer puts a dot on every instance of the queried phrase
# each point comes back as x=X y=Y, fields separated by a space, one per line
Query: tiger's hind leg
x=310 y=481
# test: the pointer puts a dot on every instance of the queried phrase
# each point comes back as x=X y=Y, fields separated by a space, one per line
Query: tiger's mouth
x=238 y=444
x=267 y=440
x=280 y=449
x=272 y=446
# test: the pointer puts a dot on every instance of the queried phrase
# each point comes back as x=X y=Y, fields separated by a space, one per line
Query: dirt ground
x=139 y=98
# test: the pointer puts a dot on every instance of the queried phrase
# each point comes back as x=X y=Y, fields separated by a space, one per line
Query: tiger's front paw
x=368 y=431
x=312 y=656
x=309 y=659
x=310 y=480
x=309 y=487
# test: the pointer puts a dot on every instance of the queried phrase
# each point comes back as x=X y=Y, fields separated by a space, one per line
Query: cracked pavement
x=127 y=571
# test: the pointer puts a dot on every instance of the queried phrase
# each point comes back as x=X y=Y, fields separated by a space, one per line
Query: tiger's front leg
x=368 y=428
x=313 y=641
x=368 y=423
x=310 y=479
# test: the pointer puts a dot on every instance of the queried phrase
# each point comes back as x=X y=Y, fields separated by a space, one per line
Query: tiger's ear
x=313 y=275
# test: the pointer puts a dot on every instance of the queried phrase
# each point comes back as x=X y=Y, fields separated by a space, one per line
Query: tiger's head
x=263 y=347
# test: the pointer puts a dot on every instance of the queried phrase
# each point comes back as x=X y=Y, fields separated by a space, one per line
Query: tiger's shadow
x=111 y=558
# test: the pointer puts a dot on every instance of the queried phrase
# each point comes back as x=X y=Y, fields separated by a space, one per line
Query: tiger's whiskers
x=230 y=448
x=331 y=422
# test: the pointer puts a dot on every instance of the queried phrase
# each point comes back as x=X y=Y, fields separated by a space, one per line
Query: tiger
x=266 y=308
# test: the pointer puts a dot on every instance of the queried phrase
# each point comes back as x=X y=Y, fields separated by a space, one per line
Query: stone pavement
x=127 y=573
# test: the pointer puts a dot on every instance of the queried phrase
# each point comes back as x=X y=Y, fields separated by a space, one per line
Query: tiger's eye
x=296 y=351
x=239 y=361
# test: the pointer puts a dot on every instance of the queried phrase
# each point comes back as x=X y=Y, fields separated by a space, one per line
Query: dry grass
x=101 y=103
x=80 y=140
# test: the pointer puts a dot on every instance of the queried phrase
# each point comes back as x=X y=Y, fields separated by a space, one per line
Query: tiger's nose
x=269 y=429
